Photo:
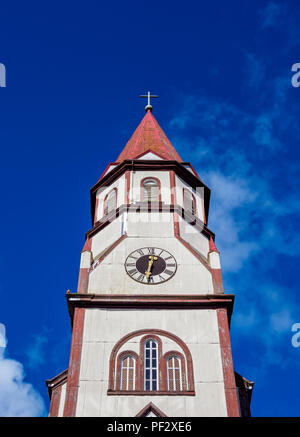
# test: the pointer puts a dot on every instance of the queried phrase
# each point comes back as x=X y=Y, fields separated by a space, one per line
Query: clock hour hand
x=152 y=258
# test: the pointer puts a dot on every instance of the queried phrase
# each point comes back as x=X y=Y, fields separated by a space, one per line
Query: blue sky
x=74 y=72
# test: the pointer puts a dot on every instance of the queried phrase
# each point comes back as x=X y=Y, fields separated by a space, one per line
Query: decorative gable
x=151 y=410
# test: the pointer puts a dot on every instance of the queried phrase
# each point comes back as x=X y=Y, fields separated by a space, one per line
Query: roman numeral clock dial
x=150 y=265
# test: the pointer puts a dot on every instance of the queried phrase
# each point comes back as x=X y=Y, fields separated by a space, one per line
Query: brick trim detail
x=55 y=401
x=151 y=408
x=127 y=187
x=217 y=281
x=83 y=281
x=227 y=363
x=74 y=364
x=150 y=393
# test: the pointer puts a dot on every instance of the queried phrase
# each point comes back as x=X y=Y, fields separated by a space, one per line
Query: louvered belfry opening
x=189 y=202
x=150 y=190
x=110 y=202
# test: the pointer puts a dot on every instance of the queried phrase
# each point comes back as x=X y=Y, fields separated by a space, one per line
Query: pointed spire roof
x=149 y=137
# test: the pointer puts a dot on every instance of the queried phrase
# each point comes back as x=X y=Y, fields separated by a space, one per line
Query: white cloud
x=266 y=318
x=229 y=196
x=247 y=320
x=281 y=321
x=263 y=132
x=2 y=338
x=270 y=15
x=254 y=71
x=35 y=352
x=17 y=397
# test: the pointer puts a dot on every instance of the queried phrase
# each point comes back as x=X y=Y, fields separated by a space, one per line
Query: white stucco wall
x=151 y=156
x=107 y=236
x=194 y=237
x=197 y=328
x=110 y=276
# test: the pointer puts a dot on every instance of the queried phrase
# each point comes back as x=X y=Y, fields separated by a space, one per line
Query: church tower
x=150 y=320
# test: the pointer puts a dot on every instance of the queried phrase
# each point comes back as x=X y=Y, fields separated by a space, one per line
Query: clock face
x=150 y=265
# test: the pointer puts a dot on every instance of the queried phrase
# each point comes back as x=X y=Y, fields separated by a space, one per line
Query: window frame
x=167 y=356
x=158 y=361
x=194 y=202
x=142 y=197
x=122 y=356
x=126 y=370
x=105 y=203
x=153 y=381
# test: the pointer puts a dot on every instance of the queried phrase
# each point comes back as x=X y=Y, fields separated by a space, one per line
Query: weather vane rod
x=149 y=106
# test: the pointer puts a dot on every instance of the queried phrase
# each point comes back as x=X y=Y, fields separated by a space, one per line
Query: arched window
x=150 y=190
x=128 y=373
x=150 y=365
x=189 y=202
x=174 y=373
x=147 y=371
x=110 y=201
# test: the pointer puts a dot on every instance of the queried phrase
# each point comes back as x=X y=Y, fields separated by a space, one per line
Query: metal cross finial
x=149 y=105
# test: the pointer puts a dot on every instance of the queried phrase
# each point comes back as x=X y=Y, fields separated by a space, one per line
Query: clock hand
x=148 y=272
x=152 y=258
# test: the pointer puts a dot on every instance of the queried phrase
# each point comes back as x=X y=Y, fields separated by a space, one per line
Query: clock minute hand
x=148 y=272
x=152 y=258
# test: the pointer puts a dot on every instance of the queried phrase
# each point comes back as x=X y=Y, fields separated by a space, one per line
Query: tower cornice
x=153 y=301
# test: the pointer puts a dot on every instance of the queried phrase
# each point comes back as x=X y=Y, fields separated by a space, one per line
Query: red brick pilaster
x=227 y=363
x=74 y=364
x=55 y=400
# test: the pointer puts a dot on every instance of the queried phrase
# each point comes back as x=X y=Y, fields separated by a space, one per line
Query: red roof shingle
x=149 y=137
